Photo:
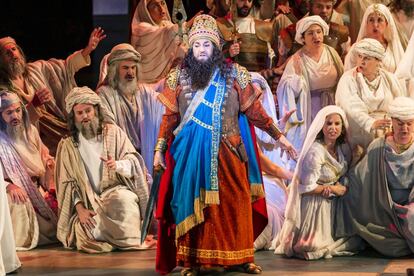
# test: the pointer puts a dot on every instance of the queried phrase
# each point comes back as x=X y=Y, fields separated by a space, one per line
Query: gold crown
x=204 y=26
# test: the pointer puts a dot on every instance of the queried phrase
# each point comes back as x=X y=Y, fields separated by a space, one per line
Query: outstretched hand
x=287 y=147
x=94 y=39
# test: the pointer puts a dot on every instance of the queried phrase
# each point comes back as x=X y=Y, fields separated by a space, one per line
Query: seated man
x=26 y=165
x=381 y=185
x=101 y=181
x=133 y=107
x=42 y=85
x=9 y=261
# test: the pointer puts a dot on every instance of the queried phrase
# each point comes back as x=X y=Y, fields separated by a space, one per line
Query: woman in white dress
x=8 y=258
x=317 y=182
x=309 y=80
x=365 y=91
x=378 y=23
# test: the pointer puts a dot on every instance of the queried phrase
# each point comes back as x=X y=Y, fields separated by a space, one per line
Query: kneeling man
x=101 y=181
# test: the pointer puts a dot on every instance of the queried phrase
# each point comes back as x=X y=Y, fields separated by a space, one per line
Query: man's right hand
x=159 y=160
x=86 y=217
x=17 y=194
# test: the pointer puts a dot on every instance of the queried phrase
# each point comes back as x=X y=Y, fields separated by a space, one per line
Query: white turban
x=370 y=47
x=401 y=108
x=81 y=95
x=304 y=24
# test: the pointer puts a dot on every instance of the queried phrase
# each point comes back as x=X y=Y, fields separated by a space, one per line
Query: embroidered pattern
x=216 y=132
x=172 y=78
x=199 y=122
x=215 y=254
x=242 y=75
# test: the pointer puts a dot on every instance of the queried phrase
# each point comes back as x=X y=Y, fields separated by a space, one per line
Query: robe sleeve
x=311 y=168
x=256 y=114
x=171 y=117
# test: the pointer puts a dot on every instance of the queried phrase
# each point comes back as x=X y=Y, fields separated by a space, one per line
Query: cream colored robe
x=57 y=76
x=119 y=205
x=362 y=106
x=159 y=45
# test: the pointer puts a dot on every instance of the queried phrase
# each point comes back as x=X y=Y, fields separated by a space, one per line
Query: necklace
x=403 y=147
x=372 y=85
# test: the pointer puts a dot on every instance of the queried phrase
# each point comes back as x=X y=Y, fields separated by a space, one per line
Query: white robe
x=8 y=257
x=362 y=106
x=307 y=93
x=314 y=239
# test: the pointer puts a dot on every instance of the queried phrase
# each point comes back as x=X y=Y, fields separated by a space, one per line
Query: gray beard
x=127 y=87
x=89 y=130
x=16 y=133
x=16 y=68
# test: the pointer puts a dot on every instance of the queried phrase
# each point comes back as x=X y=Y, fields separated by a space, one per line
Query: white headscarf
x=304 y=24
x=371 y=48
x=142 y=14
x=401 y=108
x=390 y=34
x=292 y=214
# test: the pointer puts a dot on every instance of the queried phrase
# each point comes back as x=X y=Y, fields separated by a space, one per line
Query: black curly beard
x=200 y=72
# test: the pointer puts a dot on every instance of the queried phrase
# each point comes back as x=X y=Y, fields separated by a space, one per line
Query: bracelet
x=274 y=131
x=161 y=145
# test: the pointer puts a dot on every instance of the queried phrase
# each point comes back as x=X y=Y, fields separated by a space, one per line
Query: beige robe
x=57 y=76
x=159 y=45
x=119 y=205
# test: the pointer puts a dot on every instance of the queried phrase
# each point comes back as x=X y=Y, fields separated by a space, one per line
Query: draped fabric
x=296 y=92
x=384 y=224
x=59 y=77
x=158 y=45
x=141 y=124
x=119 y=206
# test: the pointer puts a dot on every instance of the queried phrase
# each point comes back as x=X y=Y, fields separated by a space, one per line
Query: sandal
x=252 y=268
x=189 y=271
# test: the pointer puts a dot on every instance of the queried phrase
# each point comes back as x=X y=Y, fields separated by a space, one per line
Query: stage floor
x=54 y=260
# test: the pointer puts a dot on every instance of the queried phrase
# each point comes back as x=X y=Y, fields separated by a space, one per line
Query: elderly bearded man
x=215 y=176
x=42 y=85
x=382 y=185
x=133 y=106
x=26 y=164
x=101 y=181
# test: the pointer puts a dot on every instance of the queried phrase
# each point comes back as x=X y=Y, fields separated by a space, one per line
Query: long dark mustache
x=200 y=72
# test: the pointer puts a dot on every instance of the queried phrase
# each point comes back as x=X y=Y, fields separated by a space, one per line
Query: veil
x=390 y=34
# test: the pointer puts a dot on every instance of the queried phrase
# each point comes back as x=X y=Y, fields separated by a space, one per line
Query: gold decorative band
x=161 y=145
